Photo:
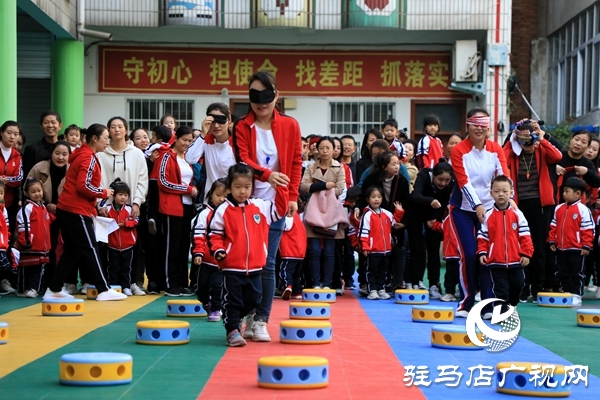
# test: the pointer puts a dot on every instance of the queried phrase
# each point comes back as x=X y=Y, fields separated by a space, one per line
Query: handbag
x=325 y=213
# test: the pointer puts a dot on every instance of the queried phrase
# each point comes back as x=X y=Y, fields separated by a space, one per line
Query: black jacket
x=425 y=192
x=36 y=152
x=399 y=192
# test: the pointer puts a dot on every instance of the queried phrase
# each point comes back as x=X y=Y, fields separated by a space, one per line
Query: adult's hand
x=103 y=212
x=51 y=208
x=292 y=208
x=330 y=185
x=278 y=179
x=206 y=124
x=560 y=170
x=480 y=211
x=135 y=210
x=435 y=204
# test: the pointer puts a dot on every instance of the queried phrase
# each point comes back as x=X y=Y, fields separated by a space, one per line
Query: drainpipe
x=81 y=25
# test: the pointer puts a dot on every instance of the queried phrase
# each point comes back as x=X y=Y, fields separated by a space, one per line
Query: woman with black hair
x=365 y=151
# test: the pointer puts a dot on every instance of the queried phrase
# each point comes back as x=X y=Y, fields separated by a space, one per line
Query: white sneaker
x=576 y=300
x=448 y=297
x=487 y=315
x=137 y=291
x=110 y=295
x=415 y=287
x=127 y=292
x=461 y=314
x=259 y=332
x=407 y=285
x=434 y=293
x=422 y=286
x=373 y=295
x=71 y=288
x=84 y=288
x=592 y=288
x=247 y=324
x=50 y=295
x=478 y=296
x=5 y=284
x=31 y=293
x=383 y=294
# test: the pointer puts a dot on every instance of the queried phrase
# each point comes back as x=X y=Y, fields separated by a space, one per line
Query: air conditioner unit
x=465 y=61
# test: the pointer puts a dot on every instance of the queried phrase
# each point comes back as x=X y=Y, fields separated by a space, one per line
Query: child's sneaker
x=49 y=295
x=259 y=332
x=373 y=295
x=478 y=296
x=215 y=316
x=71 y=288
x=127 y=292
x=363 y=291
x=152 y=227
x=448 y=297
x=136 y=290
x=31 y=293
x=6 y=286
x=422 y=286
x=234 y=339
x=248 y=323
x=383 y=295
x=287 y=293
x=434 y=293
x=84 y=288
x=111 y=295
x=576 y=300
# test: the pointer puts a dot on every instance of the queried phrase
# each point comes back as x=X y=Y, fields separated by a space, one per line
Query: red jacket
x=200 y=246
x=429 y=151
x=504 y=238
x=545 y=154
x=450 y=247
x=33 y=227
x=171 y=188
x=12 y=171
x=164 y=148
x=376 y=230
x=286 y=133
x=4 y=235
x=293 y=241
x=82 y=183
x=572 y=227
x=125 y=237
x=242 y=232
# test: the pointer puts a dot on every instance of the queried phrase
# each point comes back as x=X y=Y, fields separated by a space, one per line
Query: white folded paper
x=103 y=227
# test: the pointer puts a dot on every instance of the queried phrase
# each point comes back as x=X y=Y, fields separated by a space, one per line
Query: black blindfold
x=262 y=96
x=219 y=119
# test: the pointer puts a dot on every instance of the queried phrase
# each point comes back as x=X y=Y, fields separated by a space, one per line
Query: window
x=357 y=118
x=146 y=113
x=451 y=113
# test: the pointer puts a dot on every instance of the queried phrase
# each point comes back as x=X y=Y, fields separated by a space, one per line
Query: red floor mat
x=361 y=363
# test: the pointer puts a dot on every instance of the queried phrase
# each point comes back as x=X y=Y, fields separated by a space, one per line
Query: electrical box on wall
x=497 y=54
x=465 y=61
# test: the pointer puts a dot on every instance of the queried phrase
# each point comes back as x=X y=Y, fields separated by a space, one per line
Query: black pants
x=119 y=267
x=570 y=266
x=348 y=265
x=80 y=248
x=538 y=218
x=377 y=266
x=550 y=280
x=241 y=294
x=507 y=284
x=152 y=199
x=209 y=284
x=177 y=247
x=362 y=265
x=451 y=276
x=30 y=277
x=424 y=247
x=290 y=273
x=397 y=262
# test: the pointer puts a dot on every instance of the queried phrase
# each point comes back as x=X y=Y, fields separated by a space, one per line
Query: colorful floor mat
x=373 y=342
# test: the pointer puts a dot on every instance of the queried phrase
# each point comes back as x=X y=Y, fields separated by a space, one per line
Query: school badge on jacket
x=257 y=218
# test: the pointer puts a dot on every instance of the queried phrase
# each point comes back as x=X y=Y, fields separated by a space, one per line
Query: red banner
x=299 y=73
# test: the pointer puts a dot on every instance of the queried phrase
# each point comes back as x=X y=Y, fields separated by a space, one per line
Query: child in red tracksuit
x=571 y=237
x=450 y=254
x=161 y=137
x=504 y=244
x=375 y=233
x=292 y=250
x=33 y=222
x=209 y=277
x=121 y=241
x=5 y=263
x=238 y=238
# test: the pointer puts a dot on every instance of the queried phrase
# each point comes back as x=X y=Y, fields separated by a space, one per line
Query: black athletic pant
x=30 y=277
x=452 y=275
x=377 y=266
x=397 y=262
x=241 y=294
x=538 y=218
x=289 y=273
x=424 y=246
x=507 y=284
x=119 y=267
x=348 y=265
x=80 y=248
x=209 y=282
x=177 y=247
x=570 y=266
